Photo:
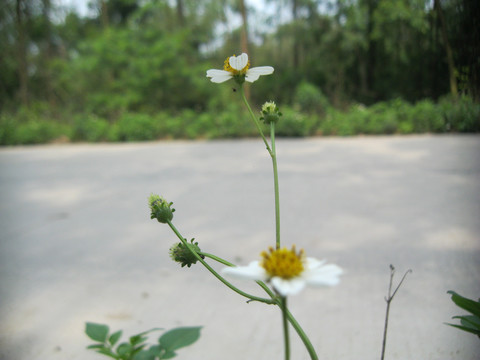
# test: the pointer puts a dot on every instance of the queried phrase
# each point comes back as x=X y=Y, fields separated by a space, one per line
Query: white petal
x=254 y=73
x=312 y=263
x=288 y=287
x=219 y=76
x=325 y=275
x=238 y=62
x=252 y=271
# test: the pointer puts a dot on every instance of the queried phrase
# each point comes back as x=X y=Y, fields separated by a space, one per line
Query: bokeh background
x=123 y=70
x=76 y=241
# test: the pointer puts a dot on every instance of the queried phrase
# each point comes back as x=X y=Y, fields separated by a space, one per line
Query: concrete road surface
x=77 y=244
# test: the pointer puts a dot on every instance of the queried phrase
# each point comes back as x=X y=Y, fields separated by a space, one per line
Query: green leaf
x=139 y=338
x=137 y=349
x=464 y=328
x=115 y=337
x=470 y=321
x=178 y=338
x=107 y=352
x=168 y=355
x=469 y=305
x=96 y=346
x=124 y=349
x=97 y=332
x=154 y=352
x=144 y=355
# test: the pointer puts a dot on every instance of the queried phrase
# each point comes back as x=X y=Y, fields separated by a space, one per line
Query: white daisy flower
x=238 y=67
x=288 y=271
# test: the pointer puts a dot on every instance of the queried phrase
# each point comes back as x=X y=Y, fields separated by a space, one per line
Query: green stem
x=214 y=273
x=285 y=327
x=275 y=180
x=287 y=316
x=255 y=120
x=302 y=335
x=272 y=152
x=216 y=258
x=227 y=263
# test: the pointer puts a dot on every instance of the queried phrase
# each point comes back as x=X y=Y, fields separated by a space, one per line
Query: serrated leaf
x=115 y=337
x=179 y=337
x=97 y=332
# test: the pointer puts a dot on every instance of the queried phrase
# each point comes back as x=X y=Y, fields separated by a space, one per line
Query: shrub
x=294 y=123
x=7 y=130
x=462 y=115
x=90 y=128
x=233 y=123
x=426 y=117
x=308 y=98
x=40 y=132
x=137 y=127
x=337 y=123
x=37 y=124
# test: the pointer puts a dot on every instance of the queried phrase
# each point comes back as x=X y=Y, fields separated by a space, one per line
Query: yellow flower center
x=283 y=263
x=228 y=67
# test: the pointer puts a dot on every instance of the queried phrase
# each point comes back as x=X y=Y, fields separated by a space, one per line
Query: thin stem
x=286 y=336
x=214 y=273
x=387 y=314
x=389 y=299
x=302 y=335
x=254 y=118
x=227 y=263
x=275 y=180
x=267 y=290
x=216 y=258
x=272 y=152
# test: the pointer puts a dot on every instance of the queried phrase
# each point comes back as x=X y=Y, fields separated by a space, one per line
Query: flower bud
x=160 y=209
x=270 y=112
x=181 y=254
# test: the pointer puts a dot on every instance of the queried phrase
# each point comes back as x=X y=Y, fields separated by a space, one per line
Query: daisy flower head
x=238 y=68
x=288 y=271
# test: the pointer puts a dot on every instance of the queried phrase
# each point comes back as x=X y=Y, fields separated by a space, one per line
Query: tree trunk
x=180 y=13
x=244 y=36
x=296 y=47
x=22 y=51
x=244 y=33
x=371 y=55
x=104 y=13
x=448 y=49
x=48 y=52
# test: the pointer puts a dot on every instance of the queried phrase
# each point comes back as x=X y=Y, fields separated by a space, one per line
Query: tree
x=448 y=49
x=21 y=12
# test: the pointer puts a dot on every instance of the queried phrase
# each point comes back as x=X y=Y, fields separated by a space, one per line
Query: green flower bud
x=270 y=112
x=181 y=254
x=160 y=209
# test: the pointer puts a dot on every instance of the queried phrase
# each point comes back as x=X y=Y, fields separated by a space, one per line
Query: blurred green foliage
x=136 y=347
x=135 y=70
x=390 y=117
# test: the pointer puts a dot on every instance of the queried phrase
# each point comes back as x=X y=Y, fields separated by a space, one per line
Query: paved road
x=77 y=244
